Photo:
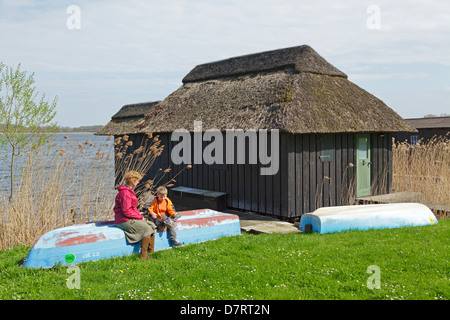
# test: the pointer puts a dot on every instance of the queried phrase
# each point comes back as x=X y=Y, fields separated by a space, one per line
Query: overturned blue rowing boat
x=365 y=217
x=98 y=240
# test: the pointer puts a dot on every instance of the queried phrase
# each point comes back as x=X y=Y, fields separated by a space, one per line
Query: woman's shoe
x=151 y=246
x=144 y=246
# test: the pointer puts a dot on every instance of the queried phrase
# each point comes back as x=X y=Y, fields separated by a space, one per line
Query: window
x=363 y=148
x=414 y=139
x=327 y=147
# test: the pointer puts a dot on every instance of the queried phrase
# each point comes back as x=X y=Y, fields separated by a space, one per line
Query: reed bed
x=423 y=167
x=74 y=184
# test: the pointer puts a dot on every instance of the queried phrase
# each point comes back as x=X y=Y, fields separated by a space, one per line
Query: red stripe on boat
x=88 y=238
x=203 y=222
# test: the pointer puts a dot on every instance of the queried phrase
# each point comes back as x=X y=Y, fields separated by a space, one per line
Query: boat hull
x=365 y=217
x=99 y=240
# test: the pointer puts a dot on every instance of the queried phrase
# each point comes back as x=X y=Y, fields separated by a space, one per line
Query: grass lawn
x=412 y=264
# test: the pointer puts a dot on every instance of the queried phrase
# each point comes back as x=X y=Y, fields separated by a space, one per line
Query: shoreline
x=77 y=132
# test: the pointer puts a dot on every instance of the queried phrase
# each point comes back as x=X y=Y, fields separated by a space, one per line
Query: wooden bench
x=185 y=198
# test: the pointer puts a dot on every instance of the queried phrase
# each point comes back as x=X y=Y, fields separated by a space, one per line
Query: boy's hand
x=154 y=216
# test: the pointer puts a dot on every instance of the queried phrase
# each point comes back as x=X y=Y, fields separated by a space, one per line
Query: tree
x=25 y=119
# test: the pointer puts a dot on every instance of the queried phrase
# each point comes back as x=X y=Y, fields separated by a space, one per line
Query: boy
x=163 y=211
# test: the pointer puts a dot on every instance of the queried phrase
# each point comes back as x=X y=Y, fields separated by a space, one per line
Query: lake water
x=69 y=142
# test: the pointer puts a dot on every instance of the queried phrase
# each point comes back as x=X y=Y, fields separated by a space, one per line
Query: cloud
x=384 y=76
x=121 y=43
x=149 y=35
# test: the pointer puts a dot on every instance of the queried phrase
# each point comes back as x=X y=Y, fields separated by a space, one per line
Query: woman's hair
x=132 y=176
x=161 y=190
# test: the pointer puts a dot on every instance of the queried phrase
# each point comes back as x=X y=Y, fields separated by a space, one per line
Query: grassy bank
x=413 y=264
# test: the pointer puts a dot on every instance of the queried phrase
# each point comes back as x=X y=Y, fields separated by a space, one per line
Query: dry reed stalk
x=141 y=159
x=73 y=185
x=423 y=167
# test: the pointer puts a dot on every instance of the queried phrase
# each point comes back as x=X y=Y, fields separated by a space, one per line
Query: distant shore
x=75 y=132
x=66 y=130
x=81 y=129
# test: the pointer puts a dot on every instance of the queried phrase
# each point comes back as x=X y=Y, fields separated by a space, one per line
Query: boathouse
x=331 y=138
x=428 y=128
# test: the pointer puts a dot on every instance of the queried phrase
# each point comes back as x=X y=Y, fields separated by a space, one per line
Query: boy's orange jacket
x=156 y=209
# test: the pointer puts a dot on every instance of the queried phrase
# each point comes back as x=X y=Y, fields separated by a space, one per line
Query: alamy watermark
x=74 y=281
x=374 y=281
x=373 y=22
x=74 y=20
x=235 y=139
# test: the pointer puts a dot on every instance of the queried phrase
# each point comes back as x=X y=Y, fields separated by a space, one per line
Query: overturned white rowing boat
x=365 y=217
x=102 y=239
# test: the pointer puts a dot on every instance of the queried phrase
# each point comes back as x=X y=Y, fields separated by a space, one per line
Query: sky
x=98 y=55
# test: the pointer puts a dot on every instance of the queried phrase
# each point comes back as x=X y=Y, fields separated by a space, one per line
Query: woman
x=129 y=219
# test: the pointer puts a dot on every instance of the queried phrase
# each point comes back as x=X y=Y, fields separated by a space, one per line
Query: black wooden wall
x=303 y=183
x=424 y=133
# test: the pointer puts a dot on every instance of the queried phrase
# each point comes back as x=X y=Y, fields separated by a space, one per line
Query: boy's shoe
x=175 y=243
x=169 y=222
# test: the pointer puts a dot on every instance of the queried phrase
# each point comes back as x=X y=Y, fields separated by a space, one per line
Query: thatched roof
x=126 y=120
x=295 y=59
x=294 y=90
x=428 y=123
